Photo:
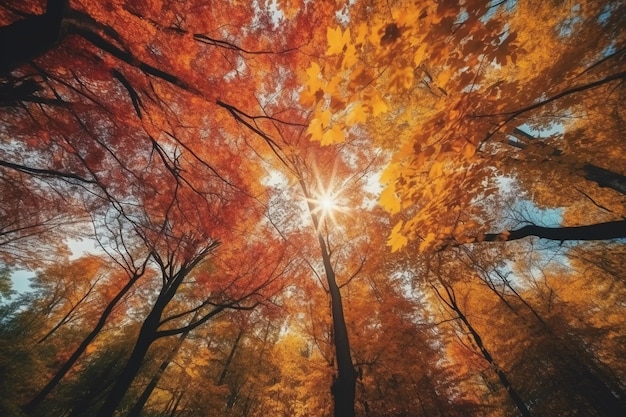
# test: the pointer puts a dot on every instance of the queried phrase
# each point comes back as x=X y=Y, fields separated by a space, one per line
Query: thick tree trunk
x=147 y=335
x=154 y=381
x=343 y=388
x=598 y=231
x=28 y=38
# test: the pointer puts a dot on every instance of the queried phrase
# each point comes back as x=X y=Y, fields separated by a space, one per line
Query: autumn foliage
x=291 y=208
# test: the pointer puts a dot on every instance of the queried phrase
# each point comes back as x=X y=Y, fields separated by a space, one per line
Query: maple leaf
x=379 y=106
x=396 y=239
x=419 y=55
x=324 y=118
x=427 y=242
x=337 y=40
x=315 y=129
x=314 y=81
x=333 y=135
x=350 y=57
x=389 y=200
x=356 y=114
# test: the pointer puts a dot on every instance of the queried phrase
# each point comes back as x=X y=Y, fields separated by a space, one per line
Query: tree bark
x=599 y=231
x=145 y=395
x=601 y=176
x=605 y=178
x=28 y=38
x=343 y=388
x=149 y=330
x=230 y=357
x=147 y=335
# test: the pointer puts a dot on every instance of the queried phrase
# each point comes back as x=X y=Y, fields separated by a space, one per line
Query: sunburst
x=327 y=200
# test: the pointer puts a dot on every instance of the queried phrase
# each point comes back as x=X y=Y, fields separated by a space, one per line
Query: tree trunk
x=133 y=365
x=145 y=395
x=598 y=231
x=343 y=388
x=96 y=387
x=28 y=38
x=30 y=407
x=229 y=360
x=504 y=380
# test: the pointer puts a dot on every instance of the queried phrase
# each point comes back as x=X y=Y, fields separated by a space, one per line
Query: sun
x=327 y=203
x=326 y=206
x=327 y=199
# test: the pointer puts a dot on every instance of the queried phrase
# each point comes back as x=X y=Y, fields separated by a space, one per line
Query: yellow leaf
x=396 y=239
x=389 y=174
x=469 y=150
x=333 y=135
x=337 y=40
x=419 y=55
x=378 y=105
x=313 y=77
x=444 y=77
x=356 y=115
x=324 y=118
x=388 y=200
x=308 y=98
x=315 y=129
x=349 y=58
x=331 y=87
x=435 y=170
x=427 y=242
x=361 y=33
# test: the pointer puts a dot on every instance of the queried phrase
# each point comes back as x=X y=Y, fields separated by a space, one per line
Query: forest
x=293 y=208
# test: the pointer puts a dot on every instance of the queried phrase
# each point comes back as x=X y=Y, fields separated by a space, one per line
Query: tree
x=459 y=55
x=226 y=159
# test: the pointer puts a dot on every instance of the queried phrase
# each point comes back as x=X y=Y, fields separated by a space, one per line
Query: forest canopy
x=312 y=208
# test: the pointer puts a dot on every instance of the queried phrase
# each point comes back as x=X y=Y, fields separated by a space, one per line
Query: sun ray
x=326 y=199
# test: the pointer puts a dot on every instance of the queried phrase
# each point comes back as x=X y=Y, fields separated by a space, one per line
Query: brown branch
x=599 y=231
x=45 y=172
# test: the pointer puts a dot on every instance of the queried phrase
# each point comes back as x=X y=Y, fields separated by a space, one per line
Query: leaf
x=333 y=135
x=324 y=118
x=396 y=239
x=314 y=81
x=444 y=76
x=315 y=129
x=349 y=58
x=419 y=55
x=389 y=200
x=427 y=242
x=436 y=170
x=379 y=106
x=356 y=114
x=361 y=34
x=309 y=98
x=337 y=40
